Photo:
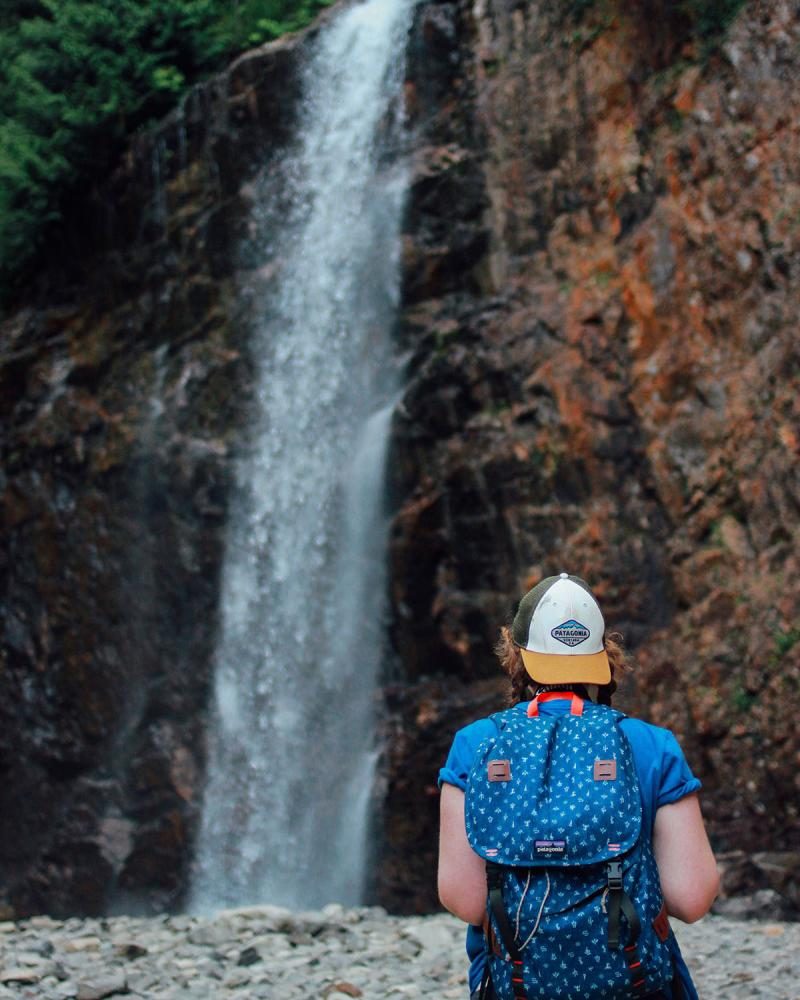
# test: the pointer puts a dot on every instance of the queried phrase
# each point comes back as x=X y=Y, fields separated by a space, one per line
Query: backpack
x=574 y=907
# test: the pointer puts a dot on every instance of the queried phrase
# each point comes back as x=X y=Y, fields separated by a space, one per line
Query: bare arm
x=686 y=865
x=462 y=874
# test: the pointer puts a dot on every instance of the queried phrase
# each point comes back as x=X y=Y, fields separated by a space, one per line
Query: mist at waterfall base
x=291 y=747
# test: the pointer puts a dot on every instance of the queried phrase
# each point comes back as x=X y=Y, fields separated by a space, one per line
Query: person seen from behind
x=568 y=831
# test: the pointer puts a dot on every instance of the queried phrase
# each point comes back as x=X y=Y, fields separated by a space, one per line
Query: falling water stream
x=291 y=753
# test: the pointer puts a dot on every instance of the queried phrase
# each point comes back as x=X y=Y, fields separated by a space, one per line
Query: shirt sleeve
x=677 y=780
x=462 y=753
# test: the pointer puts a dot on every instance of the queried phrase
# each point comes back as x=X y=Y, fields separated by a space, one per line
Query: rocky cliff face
x=600 y=303
x=599 y=288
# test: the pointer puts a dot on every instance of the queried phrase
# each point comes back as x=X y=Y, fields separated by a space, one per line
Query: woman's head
x=559 y=629
x=558 y=637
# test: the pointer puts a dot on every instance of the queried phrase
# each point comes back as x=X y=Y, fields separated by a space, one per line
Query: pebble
x=268 y=953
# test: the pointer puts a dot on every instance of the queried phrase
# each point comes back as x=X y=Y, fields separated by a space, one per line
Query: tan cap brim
x=555 y=668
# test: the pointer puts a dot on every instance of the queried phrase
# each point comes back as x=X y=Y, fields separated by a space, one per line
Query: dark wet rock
x=121 y=409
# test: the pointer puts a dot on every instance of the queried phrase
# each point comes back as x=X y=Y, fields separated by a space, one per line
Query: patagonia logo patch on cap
x=571 y=633
x=550 y=848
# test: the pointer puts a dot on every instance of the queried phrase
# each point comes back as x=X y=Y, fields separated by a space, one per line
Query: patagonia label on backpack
x=550 y=848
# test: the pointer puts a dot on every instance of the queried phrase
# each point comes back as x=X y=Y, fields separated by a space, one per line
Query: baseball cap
x=559 y=629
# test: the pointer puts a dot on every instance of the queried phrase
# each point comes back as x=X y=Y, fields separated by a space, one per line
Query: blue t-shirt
x=664 y=777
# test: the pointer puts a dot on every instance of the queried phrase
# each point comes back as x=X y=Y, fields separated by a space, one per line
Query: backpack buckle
x=614 y=875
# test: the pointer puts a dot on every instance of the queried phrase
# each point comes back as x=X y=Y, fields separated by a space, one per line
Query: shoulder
x=650 y=740
x=660 y=761
x=481 y=729
x=468 y=739
x=465 y=747
x=646 y=733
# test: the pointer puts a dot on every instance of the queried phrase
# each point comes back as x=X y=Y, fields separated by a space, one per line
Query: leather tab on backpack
x=499 y=770
x=661 y=923
x=605 y=770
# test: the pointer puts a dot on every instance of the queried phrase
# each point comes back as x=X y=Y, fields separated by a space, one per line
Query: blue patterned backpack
x=575 y=910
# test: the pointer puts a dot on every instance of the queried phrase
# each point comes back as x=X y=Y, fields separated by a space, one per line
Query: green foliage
x=577 y=8
x=706 y=20
x=78 y=76
x=742 y=700
x=710 y=19
x=252 y=22
x=783 y=642
x=168 y=78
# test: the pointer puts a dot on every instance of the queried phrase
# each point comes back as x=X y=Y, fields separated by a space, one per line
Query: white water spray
x=291 y=750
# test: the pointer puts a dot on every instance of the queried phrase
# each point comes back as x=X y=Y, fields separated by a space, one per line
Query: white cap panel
x=566 y=621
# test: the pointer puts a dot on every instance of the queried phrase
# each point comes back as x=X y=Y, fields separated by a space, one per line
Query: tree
x=78 y=76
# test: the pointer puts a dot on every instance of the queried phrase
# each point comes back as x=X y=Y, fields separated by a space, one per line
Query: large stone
x=99 y=987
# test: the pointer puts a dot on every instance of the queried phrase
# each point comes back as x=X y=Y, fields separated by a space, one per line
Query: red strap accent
x=518 y=985
x=576 y=706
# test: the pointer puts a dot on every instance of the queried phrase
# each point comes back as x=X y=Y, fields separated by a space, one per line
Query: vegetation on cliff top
x=78 y=76
x=706 y=19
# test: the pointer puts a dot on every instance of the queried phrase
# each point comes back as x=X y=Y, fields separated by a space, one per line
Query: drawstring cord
x=532 y=934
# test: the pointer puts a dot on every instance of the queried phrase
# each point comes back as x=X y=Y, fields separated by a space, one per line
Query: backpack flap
x=554 y=790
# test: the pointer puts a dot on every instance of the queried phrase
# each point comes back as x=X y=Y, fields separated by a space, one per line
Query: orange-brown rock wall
x=611 y=387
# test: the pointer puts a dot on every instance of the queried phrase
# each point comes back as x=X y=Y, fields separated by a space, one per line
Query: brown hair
x=523 y=686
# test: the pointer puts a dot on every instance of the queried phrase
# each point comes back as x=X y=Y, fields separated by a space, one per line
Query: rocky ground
x=267 y=952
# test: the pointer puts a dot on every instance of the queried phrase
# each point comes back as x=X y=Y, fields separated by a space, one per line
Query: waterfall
x=291 y=747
